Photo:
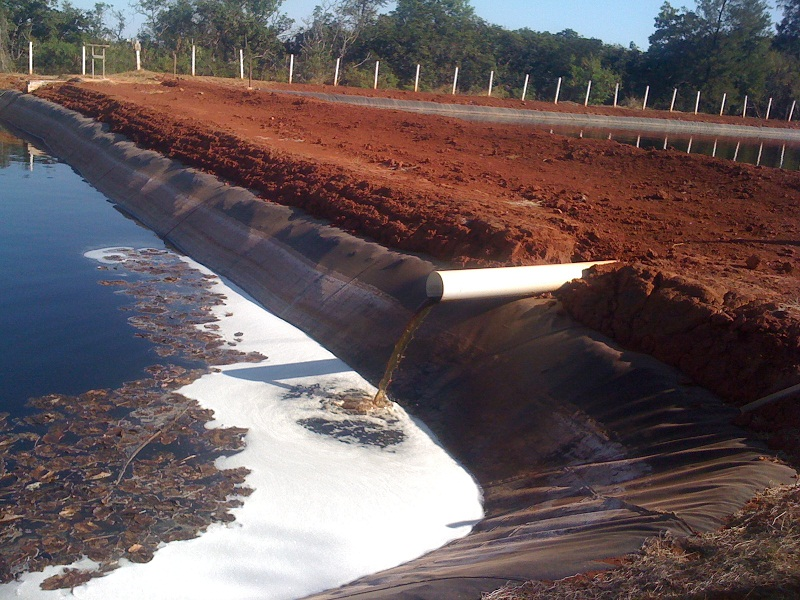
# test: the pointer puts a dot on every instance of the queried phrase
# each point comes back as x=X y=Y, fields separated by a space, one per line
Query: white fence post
x=674 y=96
x=83 y=60
x=241 y=63
x=377 y=69
x=588 y=91
x=491 y=82
x=722 y=107
x=336 y=72
x=769 y=108
x=137 y=46
x=525 y=87
x=646 y=94
x=616 y=94
x=291 y=68
x=697 y=102
x=194 y=60
x=416 y=80
x=558 y=90
x=455 y=82
x=30 y=58
x=791 y=112
x=744 y=109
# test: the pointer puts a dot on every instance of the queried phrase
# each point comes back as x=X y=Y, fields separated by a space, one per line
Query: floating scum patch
x=112 y=478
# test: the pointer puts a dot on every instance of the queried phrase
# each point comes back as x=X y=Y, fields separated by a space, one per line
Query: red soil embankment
x=711 y=275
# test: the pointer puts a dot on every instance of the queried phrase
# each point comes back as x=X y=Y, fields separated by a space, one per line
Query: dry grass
x=756 y=556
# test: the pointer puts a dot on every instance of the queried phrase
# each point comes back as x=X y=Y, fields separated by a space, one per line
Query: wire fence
x=58 y=58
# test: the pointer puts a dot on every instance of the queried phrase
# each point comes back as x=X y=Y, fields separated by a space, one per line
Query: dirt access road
x=710 y=273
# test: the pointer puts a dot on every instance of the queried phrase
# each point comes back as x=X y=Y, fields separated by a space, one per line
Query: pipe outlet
x=503 y=282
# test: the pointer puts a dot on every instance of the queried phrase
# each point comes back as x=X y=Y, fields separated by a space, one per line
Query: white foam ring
x=326 y=509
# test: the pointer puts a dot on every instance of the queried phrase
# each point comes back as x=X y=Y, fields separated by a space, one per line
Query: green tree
x=439 y=35
x=788 y=38
x=5 y=51
x=220 y=27
x=721 y=46
x=334 y=28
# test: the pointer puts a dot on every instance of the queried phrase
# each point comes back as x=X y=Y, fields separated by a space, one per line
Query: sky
x=613 y=21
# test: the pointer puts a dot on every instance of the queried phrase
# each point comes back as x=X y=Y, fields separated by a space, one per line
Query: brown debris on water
x=111 y=474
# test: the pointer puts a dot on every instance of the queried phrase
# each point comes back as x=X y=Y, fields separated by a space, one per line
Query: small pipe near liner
x=503 y=282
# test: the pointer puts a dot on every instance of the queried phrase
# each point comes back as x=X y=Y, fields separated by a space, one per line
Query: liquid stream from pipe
x=400 y=348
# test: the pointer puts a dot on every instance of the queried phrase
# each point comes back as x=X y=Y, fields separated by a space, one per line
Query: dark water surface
x=62 y=332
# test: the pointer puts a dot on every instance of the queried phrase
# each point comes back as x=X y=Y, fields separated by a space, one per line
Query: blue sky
x=613 y=21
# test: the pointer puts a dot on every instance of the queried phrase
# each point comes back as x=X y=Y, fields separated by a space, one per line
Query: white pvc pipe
x=291 y=68
x=646 y=94
x=83 y=61
x=616 y=94
x=336 y=72
x=697 y=102
x=558 y=90
x=416 y=80
x=194 y=60
x=525 y=87
x=503 y=282
x=377 y=71
x=455 y=82
x=30 y=58
x=491 y=82
x=674 y=97
x=241 y=63
x=588 y=91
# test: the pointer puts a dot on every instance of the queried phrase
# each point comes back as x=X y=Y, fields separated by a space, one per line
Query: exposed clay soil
x=710 y=279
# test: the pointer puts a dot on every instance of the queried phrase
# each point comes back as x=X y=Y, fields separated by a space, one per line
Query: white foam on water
x=324 y=512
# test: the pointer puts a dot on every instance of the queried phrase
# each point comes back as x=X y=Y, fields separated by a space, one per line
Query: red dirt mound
x=713 y=282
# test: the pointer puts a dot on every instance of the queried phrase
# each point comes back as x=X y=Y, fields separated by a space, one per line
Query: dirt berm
x=582 y=449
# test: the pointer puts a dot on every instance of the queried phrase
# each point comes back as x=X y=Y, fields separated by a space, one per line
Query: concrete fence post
x=416 y=79
x=291 y=68
x=491 y=83
x=241 y=63
x=194 y=60
x=455 y=82
x=722 y=106
x=697 y=102
x=674 y=97
x=791 y=111
x=588 y=91
x=83 y=60
x=30 y=58
x=525 y=87
x=377 y=70
x=769 y=109
x=336 y=72
x=558 y=90
x=646 y=94
x=616 y=94
x=137 y=46
x=744 y=108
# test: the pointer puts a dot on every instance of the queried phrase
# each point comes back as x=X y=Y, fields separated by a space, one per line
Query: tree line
x=718 y=47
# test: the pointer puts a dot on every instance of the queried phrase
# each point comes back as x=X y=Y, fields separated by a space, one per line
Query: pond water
x=766 y=153
x=332 y=494
x=62 y=331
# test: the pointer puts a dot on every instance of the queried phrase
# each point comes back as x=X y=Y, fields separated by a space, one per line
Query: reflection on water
x=767 y=153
